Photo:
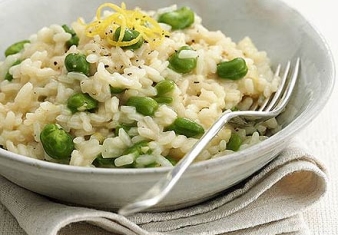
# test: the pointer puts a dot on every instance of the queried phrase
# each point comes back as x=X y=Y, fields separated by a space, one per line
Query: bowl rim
x=285 y=133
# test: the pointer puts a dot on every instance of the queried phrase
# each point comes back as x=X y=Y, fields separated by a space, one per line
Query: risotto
x=131 y=88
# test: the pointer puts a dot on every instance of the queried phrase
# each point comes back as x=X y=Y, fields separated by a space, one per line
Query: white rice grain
x=124 y=160
x=24 y=98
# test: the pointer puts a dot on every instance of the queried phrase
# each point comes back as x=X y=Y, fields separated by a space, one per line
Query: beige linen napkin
x=269 y=202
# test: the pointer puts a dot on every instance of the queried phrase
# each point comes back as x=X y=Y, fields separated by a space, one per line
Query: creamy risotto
x=131 y=88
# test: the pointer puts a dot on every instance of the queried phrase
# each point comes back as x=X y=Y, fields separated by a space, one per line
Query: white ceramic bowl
x=272 y=25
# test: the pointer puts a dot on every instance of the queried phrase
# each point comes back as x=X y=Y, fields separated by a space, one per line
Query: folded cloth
x=269 y=202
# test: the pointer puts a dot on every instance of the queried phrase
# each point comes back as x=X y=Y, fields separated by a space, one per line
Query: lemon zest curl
x=105 y=26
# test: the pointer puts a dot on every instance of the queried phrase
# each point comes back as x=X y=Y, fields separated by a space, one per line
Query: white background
x=321 y=136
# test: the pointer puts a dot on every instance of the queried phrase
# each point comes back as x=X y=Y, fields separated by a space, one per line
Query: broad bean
x=235 y=142
x=74 y=40
x=81 y=102
x=184 y=126
x=136 y=149
x=179 y=19
x=164 y=87
x=56 y=142
x=129 y=35
x=234 y=69
x=182 y=65
x=116 y=90
x=125 y=127
x=75 y=62
x=163 y=99
x=104 y=162
x=15 y=48
x=8 y=76
x=144 y=105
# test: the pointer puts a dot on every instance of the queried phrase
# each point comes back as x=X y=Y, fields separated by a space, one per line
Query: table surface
x=321 y=136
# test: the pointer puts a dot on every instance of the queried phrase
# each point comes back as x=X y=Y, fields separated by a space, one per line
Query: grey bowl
x=273 y=27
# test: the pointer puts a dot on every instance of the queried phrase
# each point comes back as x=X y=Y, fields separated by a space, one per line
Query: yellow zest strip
x=105 y=27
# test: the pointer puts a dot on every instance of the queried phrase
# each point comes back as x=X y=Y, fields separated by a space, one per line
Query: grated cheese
x=105 y=27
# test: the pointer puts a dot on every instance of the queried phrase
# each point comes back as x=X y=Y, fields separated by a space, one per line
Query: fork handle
x=176 y=172
x=159 y=190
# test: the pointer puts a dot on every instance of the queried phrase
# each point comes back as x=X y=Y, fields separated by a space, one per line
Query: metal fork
x=271 y=107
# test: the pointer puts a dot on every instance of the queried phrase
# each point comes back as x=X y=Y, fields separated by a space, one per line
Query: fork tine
x=256 y=104
x=270 y=103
